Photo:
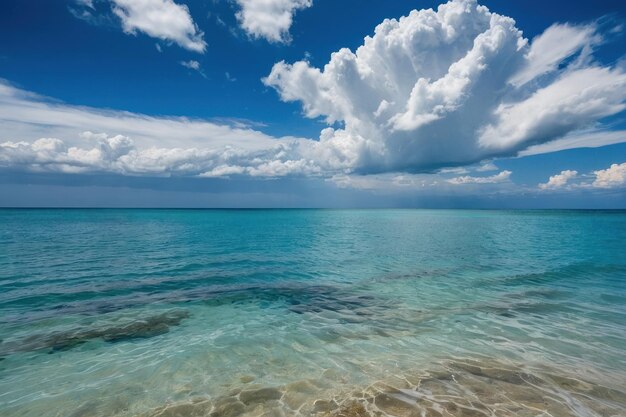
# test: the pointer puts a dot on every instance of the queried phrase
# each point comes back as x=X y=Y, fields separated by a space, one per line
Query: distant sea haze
x=312 y=313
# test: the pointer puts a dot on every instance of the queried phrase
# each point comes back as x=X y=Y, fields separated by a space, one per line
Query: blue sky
x=224 y=103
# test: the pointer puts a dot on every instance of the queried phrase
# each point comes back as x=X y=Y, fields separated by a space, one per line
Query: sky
x=313 y=103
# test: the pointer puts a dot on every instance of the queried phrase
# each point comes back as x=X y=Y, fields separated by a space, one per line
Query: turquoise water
x=312 y=312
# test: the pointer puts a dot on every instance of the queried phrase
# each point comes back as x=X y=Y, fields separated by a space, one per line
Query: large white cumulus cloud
x=451 y=87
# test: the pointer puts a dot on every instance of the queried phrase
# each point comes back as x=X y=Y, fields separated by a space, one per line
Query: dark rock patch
x=352 y=410
x=511 y=376
x=61 y=341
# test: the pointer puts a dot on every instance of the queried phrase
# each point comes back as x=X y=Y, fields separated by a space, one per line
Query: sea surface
x=352 y=313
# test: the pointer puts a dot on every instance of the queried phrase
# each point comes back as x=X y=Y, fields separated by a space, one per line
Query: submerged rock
x=61 y=341
x=150 y=327
x=228 y=407
x=246 y=379
x=351 y=410
x=260 y=395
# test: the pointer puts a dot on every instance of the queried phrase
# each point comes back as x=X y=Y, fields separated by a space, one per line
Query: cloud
x=488 y=166
x=118 y=154
x=193 y=65
x=612 y=177
x=437 y=184
x=41 y=135
x=161 y=19
x=431 y=92
x=573 y=102
x=591 y=138
x=94 y=12
x=269 y=19
x=25 y=116
x=451 y=87
x=387 y=183
x=86 y=3
x=559 y=180
x=549 y=49
x=494 y=179
x=456 y=171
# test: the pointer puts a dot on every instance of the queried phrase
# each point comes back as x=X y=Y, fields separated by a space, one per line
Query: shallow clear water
x=312 y=312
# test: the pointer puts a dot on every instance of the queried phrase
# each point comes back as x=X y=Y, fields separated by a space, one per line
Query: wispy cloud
x=488 y=166
x=549 y=49
x=586 y=138
x=193 y=65
x=493 y=179
x=25 y=116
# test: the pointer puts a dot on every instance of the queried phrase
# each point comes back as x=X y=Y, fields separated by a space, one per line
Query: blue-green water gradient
x=130 y=312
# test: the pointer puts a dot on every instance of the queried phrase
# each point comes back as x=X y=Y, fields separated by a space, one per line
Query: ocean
x=332 y=313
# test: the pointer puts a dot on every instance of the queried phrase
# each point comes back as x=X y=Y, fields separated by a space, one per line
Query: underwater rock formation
x=64 y=340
